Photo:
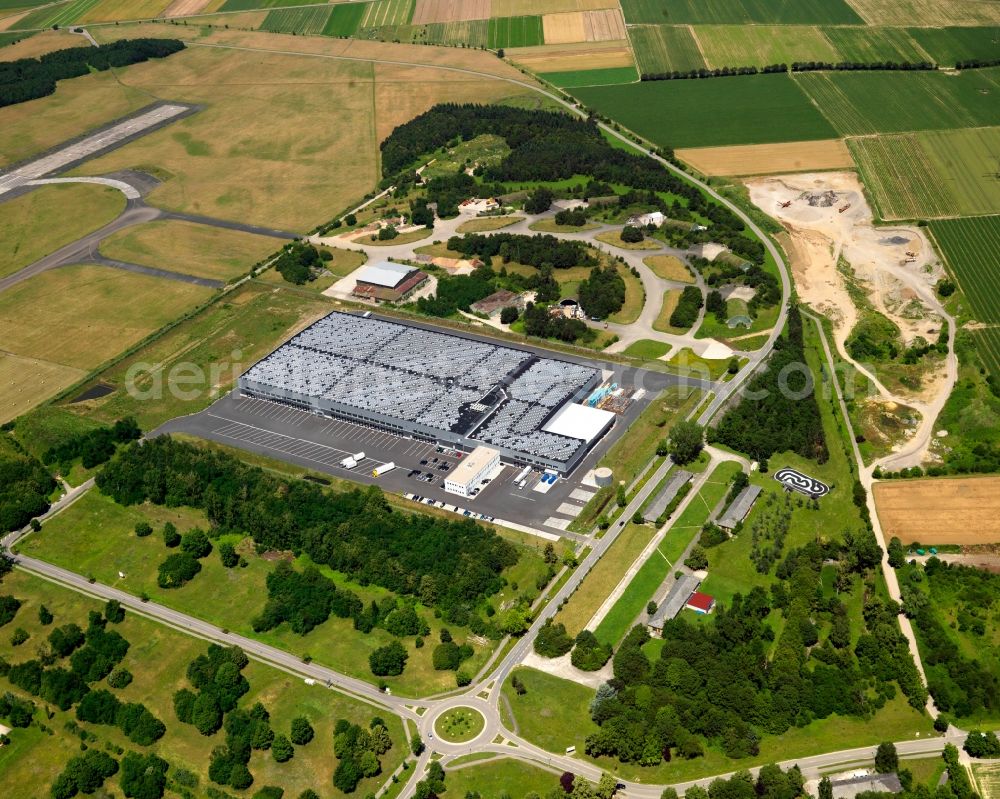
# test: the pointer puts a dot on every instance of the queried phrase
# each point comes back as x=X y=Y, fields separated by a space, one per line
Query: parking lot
x=321 y=443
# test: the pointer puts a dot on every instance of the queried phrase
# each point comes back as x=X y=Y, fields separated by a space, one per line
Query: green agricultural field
x=872 y=45
x=345 y=19
x=933 y=173
x=760 y=45
x=738 y=12
x=11 y=38
x=387 y=12
x=514 y=32
x=858 y=103
x=8 y=5
x=971 y=248
x=719 y=111
x=296 y=20
x=665 y=48
x=947 y=46
x=473 y=32
x=63 y=14
x=247 y=5
x=158 y=658
x=592 y=77
x=988 y=344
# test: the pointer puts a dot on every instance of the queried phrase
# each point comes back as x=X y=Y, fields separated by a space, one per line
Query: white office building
x=469 y=474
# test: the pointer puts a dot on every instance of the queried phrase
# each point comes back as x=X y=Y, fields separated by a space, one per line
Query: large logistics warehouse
x=440 y=387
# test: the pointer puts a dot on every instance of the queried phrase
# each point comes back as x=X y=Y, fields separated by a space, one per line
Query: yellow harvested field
x=574 y=56
x=521 y=8
x=182 y=8
x=769 y=159
x=584 y=26
x=669 y=267
x=963 y=510
x=200 y=250
x=928 y=13
x=86 y=314
x=111 y=10
x=233 y=160
x=41 y=221
x=26 y=382
x=450 y=11
x=12 y=17
x=39 y=44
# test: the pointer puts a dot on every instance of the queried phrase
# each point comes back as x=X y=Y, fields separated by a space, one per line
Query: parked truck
x=378 y=471
x=352 y=460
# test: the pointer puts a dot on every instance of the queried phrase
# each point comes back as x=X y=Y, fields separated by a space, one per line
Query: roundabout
x=459 y=725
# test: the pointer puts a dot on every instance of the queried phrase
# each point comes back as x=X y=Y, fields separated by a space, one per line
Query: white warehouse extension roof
x=580 y=421
x=383 y=273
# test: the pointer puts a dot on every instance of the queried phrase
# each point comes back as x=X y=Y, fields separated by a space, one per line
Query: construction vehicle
x=908 y=261
x=911 y=254
x=786 y=203
x=843 y=208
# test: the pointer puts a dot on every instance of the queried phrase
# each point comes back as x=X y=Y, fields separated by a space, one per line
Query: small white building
x=479 y=205
x=475 y=467
x=654 y=218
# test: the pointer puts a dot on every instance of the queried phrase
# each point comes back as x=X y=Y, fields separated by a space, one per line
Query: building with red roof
x=700 y=603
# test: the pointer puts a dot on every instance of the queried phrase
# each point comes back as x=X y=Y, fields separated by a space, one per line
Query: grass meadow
x=158 y=658
x=632 y=603
x=193 y=249
x=971 y=249
x=499 y=778
x=95 y=537
x=738 y=12
x=49 y=217
x=345 y=19
x=665 y=48
x=231 y=334
x=717 y=112
x=859 y=103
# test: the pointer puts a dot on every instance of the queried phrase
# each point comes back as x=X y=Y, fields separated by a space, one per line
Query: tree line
x=31 y=78
x=779 y=411
x=453 y=565
x=300 y=262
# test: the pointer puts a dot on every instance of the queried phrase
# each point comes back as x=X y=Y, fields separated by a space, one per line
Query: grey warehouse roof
x=659 y=504
x=738 y=511
x=675 y=600
x=426 y=382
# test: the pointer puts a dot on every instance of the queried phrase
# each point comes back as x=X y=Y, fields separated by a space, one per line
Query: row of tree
x=533 y=250
x=30 y=78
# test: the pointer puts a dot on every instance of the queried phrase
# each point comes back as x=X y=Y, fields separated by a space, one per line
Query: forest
x=552 y=146
x=25 y=485
x=778 y=412
x=603 y=293
x=300 y=262
x=728 y=682
x=30 y=78
x=534 y=250
x=962 y=686
x=450 y=564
